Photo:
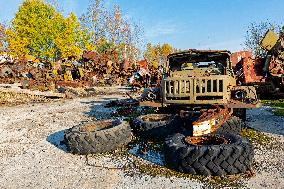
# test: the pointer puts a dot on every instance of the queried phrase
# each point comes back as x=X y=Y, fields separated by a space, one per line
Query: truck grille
x=195 y=90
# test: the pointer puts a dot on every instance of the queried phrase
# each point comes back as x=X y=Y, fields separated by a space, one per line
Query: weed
x=255 y=136
x=277 y=105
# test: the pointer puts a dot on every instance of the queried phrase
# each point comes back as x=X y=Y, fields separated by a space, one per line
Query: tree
x=17 y=44
x=2 y=38
x=157 y=54
x=110 y=25
x=35 y=30
x=255 y=33
x=94 y=20
x=71 y=40
x=39 y=30
x=166 y=49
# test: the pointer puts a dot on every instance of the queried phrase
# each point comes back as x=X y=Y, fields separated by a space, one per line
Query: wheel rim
x=99 y=125
x=206 y=140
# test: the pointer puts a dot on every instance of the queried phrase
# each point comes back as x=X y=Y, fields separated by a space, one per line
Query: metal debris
x=266 y=72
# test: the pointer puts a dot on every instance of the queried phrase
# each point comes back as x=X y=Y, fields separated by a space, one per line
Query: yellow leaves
x=33 y=28
x=157 y=54
x=38 y=29
x=155 y=64
x=166 y=49
x=91 y=47
x=68 y=40
x=17 y=45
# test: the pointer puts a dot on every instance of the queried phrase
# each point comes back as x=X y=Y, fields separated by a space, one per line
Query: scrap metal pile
x=265 y=72
x=92 y=69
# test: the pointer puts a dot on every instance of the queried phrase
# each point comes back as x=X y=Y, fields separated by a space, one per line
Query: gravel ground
x=31 y=155
x=269 y=159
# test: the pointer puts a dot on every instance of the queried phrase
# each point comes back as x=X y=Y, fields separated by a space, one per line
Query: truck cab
x=201 y=77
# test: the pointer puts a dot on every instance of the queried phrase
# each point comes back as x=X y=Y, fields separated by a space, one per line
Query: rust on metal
x=210 y=120
x=203 y=127
x=90 y=55
x=238 y=104
x=248 y=70
x=143 y=64
x=206 y=140
x=157 y=118
x=97 y=125
x=199 y=77
x=266 y=72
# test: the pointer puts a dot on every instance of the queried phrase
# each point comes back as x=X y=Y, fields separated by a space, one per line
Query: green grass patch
x=277 y=105
x=255 y=136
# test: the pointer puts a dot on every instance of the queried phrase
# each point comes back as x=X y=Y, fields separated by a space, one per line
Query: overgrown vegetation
x=12 y=98
x=211 y=182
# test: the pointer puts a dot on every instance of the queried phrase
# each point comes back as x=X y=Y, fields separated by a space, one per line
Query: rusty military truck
x=200 y=95
x=203 y=77
x=204 y=81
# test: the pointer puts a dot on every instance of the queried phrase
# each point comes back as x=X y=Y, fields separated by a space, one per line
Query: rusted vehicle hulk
x=203 y=81
x=266 y=72
x=200 y=85
x=195 y=78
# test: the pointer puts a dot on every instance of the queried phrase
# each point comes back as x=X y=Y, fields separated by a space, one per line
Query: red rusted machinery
x=266 y=72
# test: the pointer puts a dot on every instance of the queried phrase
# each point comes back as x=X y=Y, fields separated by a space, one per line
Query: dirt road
x=32 y=155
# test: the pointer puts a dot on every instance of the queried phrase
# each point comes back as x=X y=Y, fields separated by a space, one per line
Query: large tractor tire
x=98 y=136
x=233 y=125
x=217 y=155
x=156 y=126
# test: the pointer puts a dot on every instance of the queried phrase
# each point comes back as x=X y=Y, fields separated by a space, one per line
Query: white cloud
x=160 y=29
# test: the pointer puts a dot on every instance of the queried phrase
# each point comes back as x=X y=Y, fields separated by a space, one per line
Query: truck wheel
x=233 y=125
x=217 y=155
x=156 y=126
x=98 y=136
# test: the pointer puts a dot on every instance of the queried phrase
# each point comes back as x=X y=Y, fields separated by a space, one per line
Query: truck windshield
x=198 y=59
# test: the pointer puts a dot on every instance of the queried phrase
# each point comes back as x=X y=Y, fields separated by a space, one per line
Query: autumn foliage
x=157 y=54
x=40 y=30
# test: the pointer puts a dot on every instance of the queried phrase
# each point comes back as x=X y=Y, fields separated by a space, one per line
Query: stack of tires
x=220 y=158
x=230 y=155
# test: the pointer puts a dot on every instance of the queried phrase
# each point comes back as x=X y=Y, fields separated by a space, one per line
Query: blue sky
x=203 y=24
